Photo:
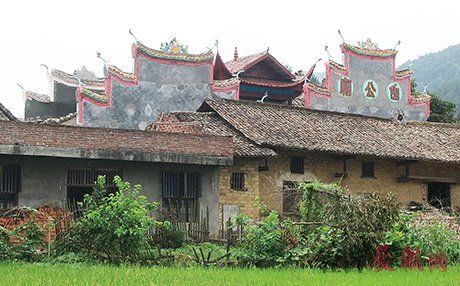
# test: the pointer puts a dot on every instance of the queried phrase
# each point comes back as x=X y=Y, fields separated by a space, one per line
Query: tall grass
x=77 y=274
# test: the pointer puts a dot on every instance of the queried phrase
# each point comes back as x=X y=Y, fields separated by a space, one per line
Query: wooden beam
x=406 y=162
x=450 y=180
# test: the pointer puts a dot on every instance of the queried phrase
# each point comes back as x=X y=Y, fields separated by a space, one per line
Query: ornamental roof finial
x=327 y=51
x=340 y=34
x=397 y=44
x=80 y=83
x=99 y=56
x=132 y=34
x=235 y=54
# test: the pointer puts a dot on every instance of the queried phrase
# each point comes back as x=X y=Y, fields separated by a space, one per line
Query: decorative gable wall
x=368 y=84
x=161 y=82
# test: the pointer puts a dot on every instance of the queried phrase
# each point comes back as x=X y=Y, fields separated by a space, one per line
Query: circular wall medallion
x=394 y=91
x=370 y=89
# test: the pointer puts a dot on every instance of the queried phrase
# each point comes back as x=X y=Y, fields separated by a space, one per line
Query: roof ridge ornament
x=132 y=35
x=368 y=45
x=397 y=44
x=237 y=74
x=235 y=54
x=174 y=47
x=341 y=36
x=425 y=91
x=326 y=48
x=45 y=66
x=99 y=56
x=263 y=98
x=80 y=83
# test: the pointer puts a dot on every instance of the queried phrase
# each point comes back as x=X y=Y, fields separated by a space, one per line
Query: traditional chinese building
x=278 y=146
x=60 y=100
x=368 y=83
x=255 y=77
x=161 y=81
x=5 y=114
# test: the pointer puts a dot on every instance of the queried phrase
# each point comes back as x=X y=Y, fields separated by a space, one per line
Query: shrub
x=114 y=225
x=25 y=242
x=168 y=237
x=430 y=238
x=262 y=243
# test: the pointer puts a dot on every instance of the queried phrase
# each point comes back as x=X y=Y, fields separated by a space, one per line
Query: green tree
x=441 y=110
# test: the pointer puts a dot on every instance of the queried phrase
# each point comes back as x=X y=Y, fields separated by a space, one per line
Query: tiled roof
x=106 y=143
x=242 y=63
x=27 y=94
x=69 y=119
x=246 y=62
x=370 y=52
x=211 y=124
x=203 y=57
x=70 y=79
x=5 y=114
x=123 y=75
x=99 y=97
x=402 y=73
x=226 y=82
x=272 y=83
x=295 y=128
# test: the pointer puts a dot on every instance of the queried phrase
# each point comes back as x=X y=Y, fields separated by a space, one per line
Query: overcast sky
x=65 y=35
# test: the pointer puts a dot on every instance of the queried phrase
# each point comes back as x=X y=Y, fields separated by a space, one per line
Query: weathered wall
x=34 y=109
x=232 y=202
x=323 y=167
x=381 y=72
x=44 y=179
x=162 y=88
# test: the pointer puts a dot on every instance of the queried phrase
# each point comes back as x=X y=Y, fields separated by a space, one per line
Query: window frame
x=368 y=169
x=15 y=182
x=239 y=186
x=295 y=164
x=178 y=197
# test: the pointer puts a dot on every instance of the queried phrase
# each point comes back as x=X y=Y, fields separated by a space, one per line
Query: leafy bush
x=114 y=225
x=430 y=238
x=4 y=243
x=168 y=237
x=25 y=242
x=262 y=243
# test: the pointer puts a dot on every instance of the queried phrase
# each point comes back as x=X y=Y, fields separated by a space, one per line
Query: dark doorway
x=76 y=194
x=439 y=195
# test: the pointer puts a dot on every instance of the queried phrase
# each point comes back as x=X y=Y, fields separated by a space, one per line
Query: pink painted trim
x=331 y=69
x=113 y=76
x=230 y=88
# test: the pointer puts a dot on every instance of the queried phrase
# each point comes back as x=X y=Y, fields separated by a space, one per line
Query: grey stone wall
x=162 y=88
x=44 y=179
x=34 y=109
x=360 y=71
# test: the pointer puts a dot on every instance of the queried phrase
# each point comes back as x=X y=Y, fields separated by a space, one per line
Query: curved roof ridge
x=202 y=57
x=70 y=78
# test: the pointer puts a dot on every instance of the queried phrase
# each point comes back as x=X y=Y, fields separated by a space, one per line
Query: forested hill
x=441 y=71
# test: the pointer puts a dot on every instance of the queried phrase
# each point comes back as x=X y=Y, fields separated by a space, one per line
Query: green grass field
x=77 y=274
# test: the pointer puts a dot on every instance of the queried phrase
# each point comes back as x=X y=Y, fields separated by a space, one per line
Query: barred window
x=237 y=181
x=367 y=169
x=297 y=165
x=180 y=193
x=81 y=181
x=10 y=185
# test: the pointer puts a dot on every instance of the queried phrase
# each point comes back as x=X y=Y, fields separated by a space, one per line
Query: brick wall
x=323 y=167
x=244 y=199
x=45 y=216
